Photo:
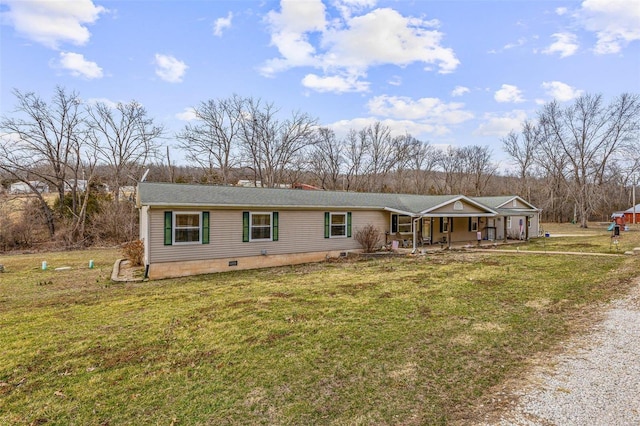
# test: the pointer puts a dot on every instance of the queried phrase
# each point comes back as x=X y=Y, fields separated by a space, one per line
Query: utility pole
x=633 y=196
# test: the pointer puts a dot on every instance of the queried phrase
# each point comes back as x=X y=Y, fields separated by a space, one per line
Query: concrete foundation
x=196 y=267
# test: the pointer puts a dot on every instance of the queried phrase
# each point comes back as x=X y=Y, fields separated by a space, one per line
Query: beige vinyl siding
x=460 y=230
x=517 y=205
x=298 y=232
x=466 y=209
x=515 y=225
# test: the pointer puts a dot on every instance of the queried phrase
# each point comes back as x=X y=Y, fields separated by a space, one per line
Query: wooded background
x=576 y=161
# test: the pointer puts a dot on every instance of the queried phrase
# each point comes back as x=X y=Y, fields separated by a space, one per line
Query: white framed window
x=473 y=224
x=445 y=224
x=186 y=228
x=401 y=223
x=508 y=222
x=338 y=225
x=260 y=226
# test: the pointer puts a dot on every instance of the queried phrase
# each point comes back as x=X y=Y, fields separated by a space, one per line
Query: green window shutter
x=394 y=223
x=168 y=228
x=450 y=224
x=441 y=224
x=470 y=225
x=245 y=227
x=348 y=224
x=275 y=227
x=205 y=227
x=327 y=225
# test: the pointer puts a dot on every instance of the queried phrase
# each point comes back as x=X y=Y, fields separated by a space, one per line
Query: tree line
x=575 y=161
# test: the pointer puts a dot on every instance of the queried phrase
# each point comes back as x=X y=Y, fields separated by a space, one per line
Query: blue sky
x=448 y=72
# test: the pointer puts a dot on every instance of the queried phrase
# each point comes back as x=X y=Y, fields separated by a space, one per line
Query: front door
x=426 y=230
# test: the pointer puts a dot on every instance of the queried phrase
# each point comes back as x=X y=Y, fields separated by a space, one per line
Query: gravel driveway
x=595 y=381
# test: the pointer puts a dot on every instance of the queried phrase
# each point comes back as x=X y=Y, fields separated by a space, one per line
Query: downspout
x=449 y=233
x=415 y=236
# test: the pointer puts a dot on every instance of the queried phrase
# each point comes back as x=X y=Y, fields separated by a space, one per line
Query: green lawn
x=594 y=239
x=391 y=341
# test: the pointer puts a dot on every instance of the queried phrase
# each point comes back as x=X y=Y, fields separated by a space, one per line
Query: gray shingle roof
x=496 y=202
x=182 y=195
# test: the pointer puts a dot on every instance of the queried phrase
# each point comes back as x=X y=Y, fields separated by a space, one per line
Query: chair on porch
x=423 y=240
x=404 y=243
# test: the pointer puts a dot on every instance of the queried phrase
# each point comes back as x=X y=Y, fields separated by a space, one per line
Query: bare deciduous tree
x=326 y=159
x=589 y=135
x=124 y=138
x=478 y=168
x=214 y=142
x=273 y=146
x=41 y=142
x=522 y=149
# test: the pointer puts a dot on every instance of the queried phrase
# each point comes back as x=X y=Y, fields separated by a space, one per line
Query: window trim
x=344 y=225
x=509 y=222
x=398 y=224
x=175 y=227
x=251 y=226
x=473 y=221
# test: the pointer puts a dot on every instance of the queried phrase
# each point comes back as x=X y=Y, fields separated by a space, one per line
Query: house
x=517 y=219
x=619 y=218
x=77 y=184
x=195 y=229
x=628 y=214
x=29 y=188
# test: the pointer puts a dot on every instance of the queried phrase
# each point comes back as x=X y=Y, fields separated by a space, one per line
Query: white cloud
x=189 y=114
x=106 y=101
x=501 y=125
x=222 y=24
x=561 y=91
x=459 y=91
x=520 y=42
x=425 y=109
x=396 y=80
x=53 y=22
x=169 y=68
x=289 y=34
x=336 y=84
x=348 y=7
x=561 y=11
x=508 y=93
x=566 y=45
x=350 y=45
x=383 y=36
x=396 y=127
x=418 y=117
x=78 y=66
x=615 y=23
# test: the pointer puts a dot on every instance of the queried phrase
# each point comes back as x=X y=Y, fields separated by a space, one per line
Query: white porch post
x=415 y=234
x=634 y=199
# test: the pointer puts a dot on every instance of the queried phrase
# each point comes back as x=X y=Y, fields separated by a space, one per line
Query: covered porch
x=457 y=221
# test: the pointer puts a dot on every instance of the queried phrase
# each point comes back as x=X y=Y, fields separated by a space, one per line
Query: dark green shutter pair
x=168 y=228
x=246 y=228
x=327 y=224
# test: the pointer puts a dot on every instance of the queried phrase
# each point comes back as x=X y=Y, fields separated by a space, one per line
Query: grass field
x=416 y=340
